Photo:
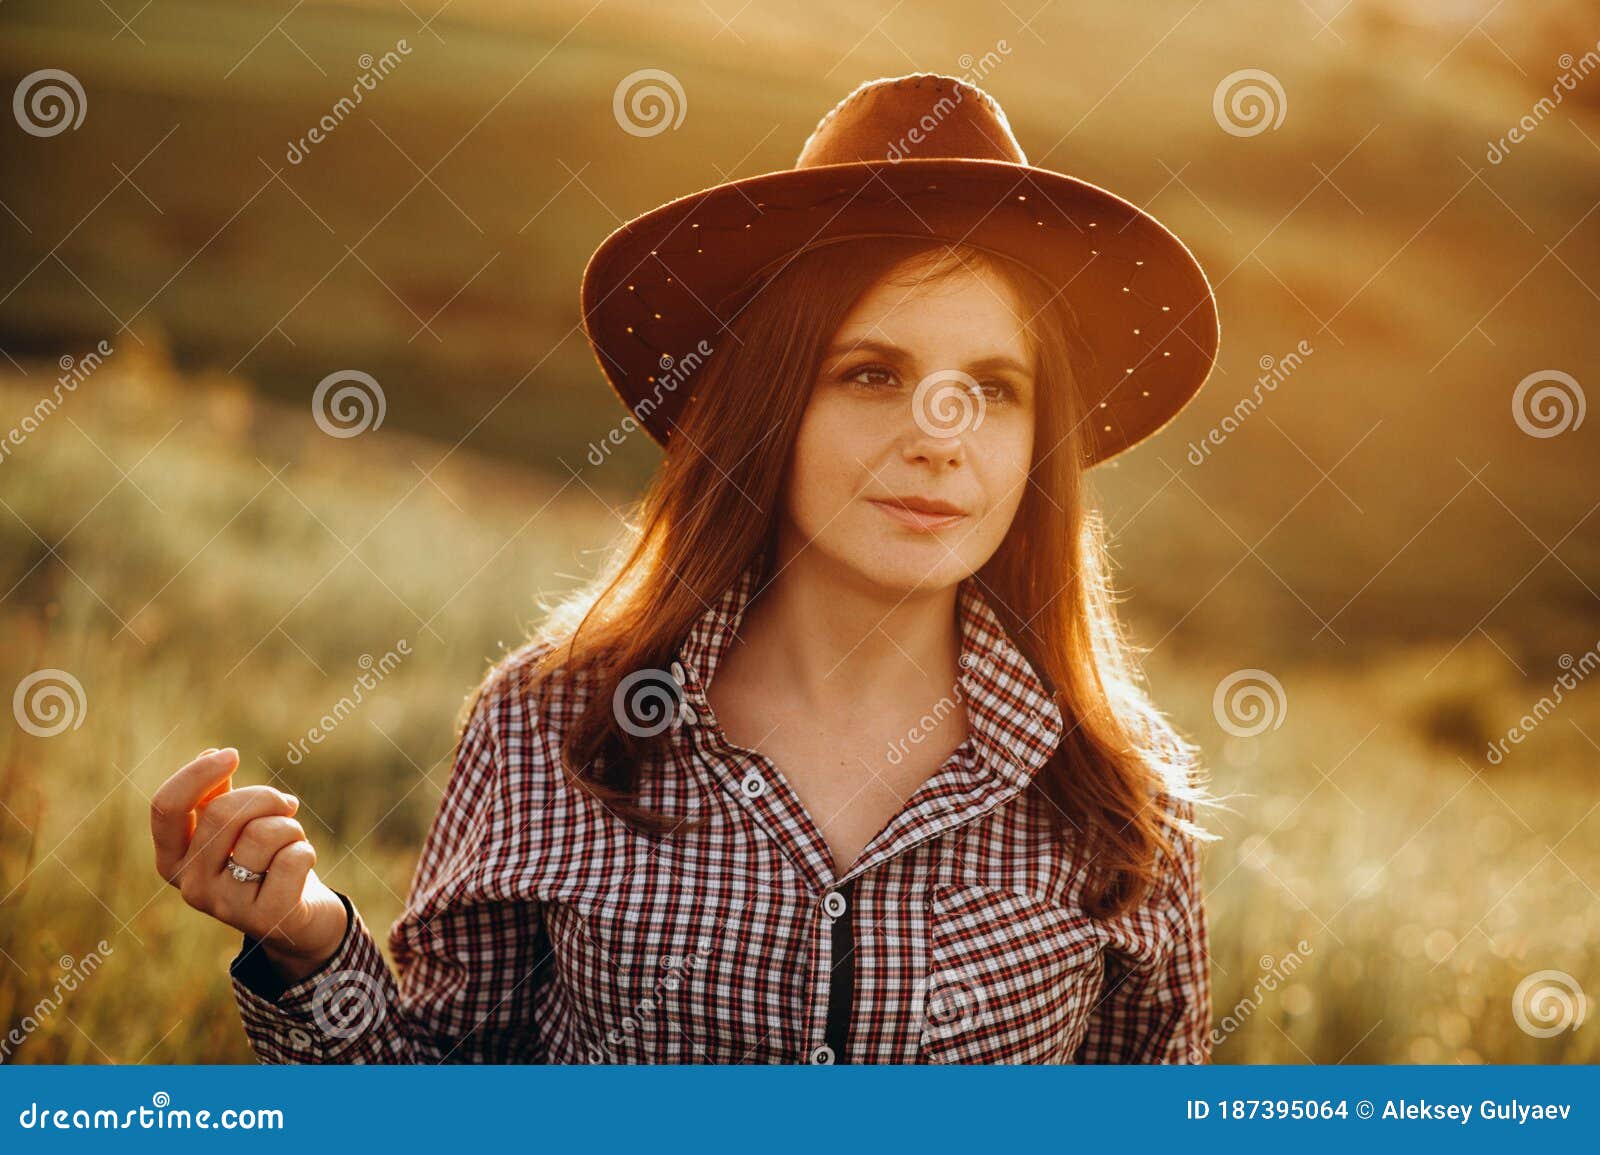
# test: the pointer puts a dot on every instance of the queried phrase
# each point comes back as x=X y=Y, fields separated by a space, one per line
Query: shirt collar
x=1013 y=718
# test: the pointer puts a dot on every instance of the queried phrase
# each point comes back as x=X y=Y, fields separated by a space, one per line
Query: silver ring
x=244 y=873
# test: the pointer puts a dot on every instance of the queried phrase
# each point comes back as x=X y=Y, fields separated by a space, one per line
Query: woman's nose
x=923 y=448
x=945 y=408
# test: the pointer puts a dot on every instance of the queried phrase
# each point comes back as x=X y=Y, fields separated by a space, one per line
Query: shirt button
x=823 y=1055
x=834 y=904
x=687 y=715
x=752 y=785
x=677 y=673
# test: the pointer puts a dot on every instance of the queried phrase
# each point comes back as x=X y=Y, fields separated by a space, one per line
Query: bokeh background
x=1366 y=581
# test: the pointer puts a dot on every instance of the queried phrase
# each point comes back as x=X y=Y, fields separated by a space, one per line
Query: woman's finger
x=219 y=788
x=219 y=823
x=172 y=817
x=286 y=878
x=261 y=838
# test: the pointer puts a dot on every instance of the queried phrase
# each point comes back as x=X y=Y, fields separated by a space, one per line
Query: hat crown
x=661 y=291
x=924 y=115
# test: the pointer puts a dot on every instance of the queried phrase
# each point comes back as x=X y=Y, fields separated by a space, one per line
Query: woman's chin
x=910 y=569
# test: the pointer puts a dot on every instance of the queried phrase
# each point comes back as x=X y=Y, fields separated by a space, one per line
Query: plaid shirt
x=541 y=929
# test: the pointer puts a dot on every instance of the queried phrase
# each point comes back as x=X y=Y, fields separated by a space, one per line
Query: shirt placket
x=833 y=993
x=984 y=773
x=959 y=793
x=762 y=793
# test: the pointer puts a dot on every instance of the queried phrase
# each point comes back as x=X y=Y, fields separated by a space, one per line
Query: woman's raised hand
x=197 y=819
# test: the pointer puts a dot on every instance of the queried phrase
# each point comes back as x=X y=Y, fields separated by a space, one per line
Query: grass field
x=222 y=587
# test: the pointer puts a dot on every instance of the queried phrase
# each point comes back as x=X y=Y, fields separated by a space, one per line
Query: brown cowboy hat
x=923 y=156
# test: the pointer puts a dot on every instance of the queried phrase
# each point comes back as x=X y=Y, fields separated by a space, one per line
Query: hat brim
x=677 y=276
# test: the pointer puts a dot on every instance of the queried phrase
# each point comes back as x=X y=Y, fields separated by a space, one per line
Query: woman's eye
x=872 y=376
x=881 y=378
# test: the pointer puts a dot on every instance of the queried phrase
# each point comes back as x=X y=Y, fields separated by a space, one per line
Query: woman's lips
x=917 y=520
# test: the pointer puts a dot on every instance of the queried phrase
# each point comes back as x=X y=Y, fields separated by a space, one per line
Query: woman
x=842 y=758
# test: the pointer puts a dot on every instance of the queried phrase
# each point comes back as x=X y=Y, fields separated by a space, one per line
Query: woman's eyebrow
x=891 y=351
x=999 y=361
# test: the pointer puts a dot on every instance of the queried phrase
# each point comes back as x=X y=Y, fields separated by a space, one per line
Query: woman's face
x=914 y=449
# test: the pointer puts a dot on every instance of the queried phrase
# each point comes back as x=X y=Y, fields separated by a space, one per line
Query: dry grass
x=1425 y=890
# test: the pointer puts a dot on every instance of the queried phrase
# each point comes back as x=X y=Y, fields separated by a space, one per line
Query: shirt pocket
x=662 y=967
x=1011 y=978
x=636 y=980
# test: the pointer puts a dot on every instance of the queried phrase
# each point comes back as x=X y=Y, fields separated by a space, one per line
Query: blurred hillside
x=436 y=237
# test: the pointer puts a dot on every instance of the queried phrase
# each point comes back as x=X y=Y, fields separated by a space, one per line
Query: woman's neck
x=837 y=643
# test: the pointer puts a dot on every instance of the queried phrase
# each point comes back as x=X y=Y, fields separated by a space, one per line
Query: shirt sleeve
x=465 y=954
x=1159 y=1010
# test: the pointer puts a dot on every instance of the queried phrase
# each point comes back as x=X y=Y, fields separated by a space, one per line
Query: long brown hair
x=710 y=511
